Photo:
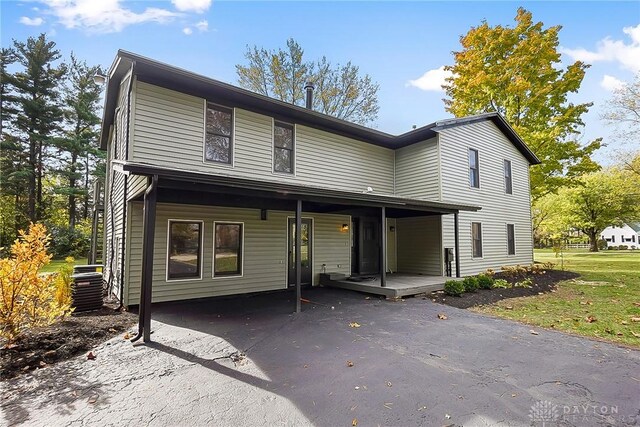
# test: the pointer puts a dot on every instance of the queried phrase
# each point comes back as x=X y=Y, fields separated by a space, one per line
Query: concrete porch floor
x=398 y=284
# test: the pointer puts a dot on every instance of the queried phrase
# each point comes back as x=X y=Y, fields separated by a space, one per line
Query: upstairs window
x=218 y=145
x=474 y=168
x=508 y=183
x=185 y=250
x=511 y=239
x=283 y=146
x=476 y=236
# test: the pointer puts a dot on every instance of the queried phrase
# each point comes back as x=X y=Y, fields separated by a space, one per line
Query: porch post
x=383 y=247
x=298 y=254
x=148 y=230
x=456 y=233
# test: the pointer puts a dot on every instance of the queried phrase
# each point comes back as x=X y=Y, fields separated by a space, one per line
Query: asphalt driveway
x=409 y=368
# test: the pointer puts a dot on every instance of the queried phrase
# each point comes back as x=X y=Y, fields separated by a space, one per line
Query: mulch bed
x=542 y=283
x=78 y=333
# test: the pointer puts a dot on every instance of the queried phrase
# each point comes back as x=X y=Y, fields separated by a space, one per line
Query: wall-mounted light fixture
x=392 y=229
x=344 y=228
x=263 y=214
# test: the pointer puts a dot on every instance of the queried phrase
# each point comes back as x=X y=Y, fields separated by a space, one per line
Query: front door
x=369 y=249
x=305 y=251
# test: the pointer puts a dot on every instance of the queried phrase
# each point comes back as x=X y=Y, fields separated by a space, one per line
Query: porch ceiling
x=181 y=186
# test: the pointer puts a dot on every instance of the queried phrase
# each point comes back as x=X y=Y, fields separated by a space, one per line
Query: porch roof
x=191 y=180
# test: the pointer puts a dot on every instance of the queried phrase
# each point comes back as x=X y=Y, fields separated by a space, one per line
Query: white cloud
x=103 y=16
x=197 y=6
x=188 y=31
x=202 y=26
x=607 y=49
x=432 y=80
x=610 y=83
x=32 y=22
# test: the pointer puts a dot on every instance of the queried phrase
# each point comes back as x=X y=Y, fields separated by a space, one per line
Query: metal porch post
x=383 y=247
x=148 y=230
x=298 y=254
x=456 y=232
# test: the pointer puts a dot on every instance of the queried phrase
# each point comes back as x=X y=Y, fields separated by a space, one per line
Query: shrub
x=514 y=272
x=470 y=284
x=526 y=283
x=602 y=244
x=67 y=242
x=549 y=265
x=623 y=247
x=454 y=288
x=64 y=282
x=484 y=281
x=536 y=269
x=489 y=272
x=501 y=283
x=29 y=299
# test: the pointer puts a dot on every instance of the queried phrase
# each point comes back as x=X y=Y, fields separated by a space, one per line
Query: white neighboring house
x=627 y=234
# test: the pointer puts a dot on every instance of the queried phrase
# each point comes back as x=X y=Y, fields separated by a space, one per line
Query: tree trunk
x=593 y=241
x=72 y=195
x=85 y=213
x=39 y=207
x=32 y=178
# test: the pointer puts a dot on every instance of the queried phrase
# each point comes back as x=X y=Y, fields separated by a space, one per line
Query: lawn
x=56 y=264
x=603 y=303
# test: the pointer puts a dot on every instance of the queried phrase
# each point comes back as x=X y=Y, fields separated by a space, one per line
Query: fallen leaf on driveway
x=93 y=399
x=91 y=356
x=442 y=316
x=354 y=422
x=349 y=363
x=590 y=319
x=354 y=324
x=533 y=332
x=389 y=384
x=513 y=394
x=127 y=336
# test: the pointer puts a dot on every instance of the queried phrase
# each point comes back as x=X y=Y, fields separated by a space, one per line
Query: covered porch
x=274 y=201
x=397 y=284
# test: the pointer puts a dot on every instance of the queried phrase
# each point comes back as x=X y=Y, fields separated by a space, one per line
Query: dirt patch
x=542 y=283
x=78 y=333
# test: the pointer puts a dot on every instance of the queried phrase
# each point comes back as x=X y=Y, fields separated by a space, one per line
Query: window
x=184 y=251
x=613 y=238
x=227 y=251
x=283 y=145
x=476 y=235
x=508 y=183
x=474 y=170
x=218 y=146
x=511 y=239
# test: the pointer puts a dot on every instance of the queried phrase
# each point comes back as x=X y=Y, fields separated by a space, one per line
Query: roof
x=161 y=74
x=291 y=191
x=635 y=226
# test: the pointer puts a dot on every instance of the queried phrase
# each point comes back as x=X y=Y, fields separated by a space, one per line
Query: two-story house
x=208 y=183
x=623 y=235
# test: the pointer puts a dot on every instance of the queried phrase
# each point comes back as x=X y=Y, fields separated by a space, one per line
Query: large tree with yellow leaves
x=517 y=72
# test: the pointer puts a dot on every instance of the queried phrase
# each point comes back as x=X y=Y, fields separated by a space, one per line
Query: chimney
x=309 y=89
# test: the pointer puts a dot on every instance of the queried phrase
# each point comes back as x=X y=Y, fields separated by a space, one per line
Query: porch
x=397 y=284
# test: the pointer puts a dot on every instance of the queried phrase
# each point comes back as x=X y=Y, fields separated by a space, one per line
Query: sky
x=401 y=45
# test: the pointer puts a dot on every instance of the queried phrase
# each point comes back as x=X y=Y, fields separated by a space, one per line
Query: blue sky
x=397 y=43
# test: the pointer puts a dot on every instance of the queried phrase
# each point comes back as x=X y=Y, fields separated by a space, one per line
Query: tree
x=79 y=142
x=601 y=199
x=341 y=91
x=623 y=111
x=34 y=91
x=517 y=72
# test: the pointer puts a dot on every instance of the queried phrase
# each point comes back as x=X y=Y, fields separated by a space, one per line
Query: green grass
x=56 y=264
x=608 y=291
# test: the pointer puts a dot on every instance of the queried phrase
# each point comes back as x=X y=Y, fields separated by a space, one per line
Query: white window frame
x=294 y=152
x=477 y=167
x=242 y=250
x=184 y=279
x=504 y=173
x=514 y=239
x=232 y=140
x=481 y=241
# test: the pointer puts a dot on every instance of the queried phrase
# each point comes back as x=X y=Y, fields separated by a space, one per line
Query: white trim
x=312 y=245
x=213 y=251
x=232 y=140
x=166 y=269
x=294 y=151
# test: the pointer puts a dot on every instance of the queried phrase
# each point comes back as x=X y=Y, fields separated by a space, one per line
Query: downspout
x=126 y=186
